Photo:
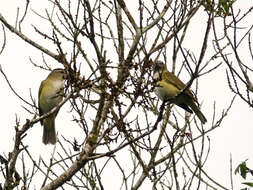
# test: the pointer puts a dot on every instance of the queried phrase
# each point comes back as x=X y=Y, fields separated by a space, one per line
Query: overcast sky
x=233 y=138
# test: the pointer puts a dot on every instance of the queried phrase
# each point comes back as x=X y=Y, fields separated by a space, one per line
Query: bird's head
x=158 y=66
x=58 y=74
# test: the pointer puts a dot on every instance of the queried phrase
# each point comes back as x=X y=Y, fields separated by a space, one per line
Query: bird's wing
x=171 y=78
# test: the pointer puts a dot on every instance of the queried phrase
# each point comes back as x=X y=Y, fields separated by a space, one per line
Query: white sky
x=234 y=137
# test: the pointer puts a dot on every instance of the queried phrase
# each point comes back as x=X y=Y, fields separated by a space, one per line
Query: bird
x=50 y=95
x=170 y=88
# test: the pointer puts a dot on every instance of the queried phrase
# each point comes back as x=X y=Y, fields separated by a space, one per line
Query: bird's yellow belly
x=165 y=90
x=50 y=99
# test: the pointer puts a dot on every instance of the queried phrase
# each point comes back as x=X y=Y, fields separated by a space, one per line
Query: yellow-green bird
x=169 y=87
x=50 y=95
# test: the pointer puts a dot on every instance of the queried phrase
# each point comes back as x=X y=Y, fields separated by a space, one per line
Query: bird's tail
x=197 y=111
x=49 y=135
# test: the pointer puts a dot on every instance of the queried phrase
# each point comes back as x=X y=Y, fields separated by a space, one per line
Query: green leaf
x=250 y=184
x=242 y=169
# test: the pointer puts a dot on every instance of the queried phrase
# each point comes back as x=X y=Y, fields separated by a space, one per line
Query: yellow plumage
x=50 y=95
x=170 y=88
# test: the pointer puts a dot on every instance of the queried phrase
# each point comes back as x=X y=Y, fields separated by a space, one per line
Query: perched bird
x=50 y=95
x=171 y=88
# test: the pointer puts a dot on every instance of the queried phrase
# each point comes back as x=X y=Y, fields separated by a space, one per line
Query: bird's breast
x=51 y=95
x=165 y=90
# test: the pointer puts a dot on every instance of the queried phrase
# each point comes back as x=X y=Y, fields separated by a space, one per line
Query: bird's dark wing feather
x=185 y=107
